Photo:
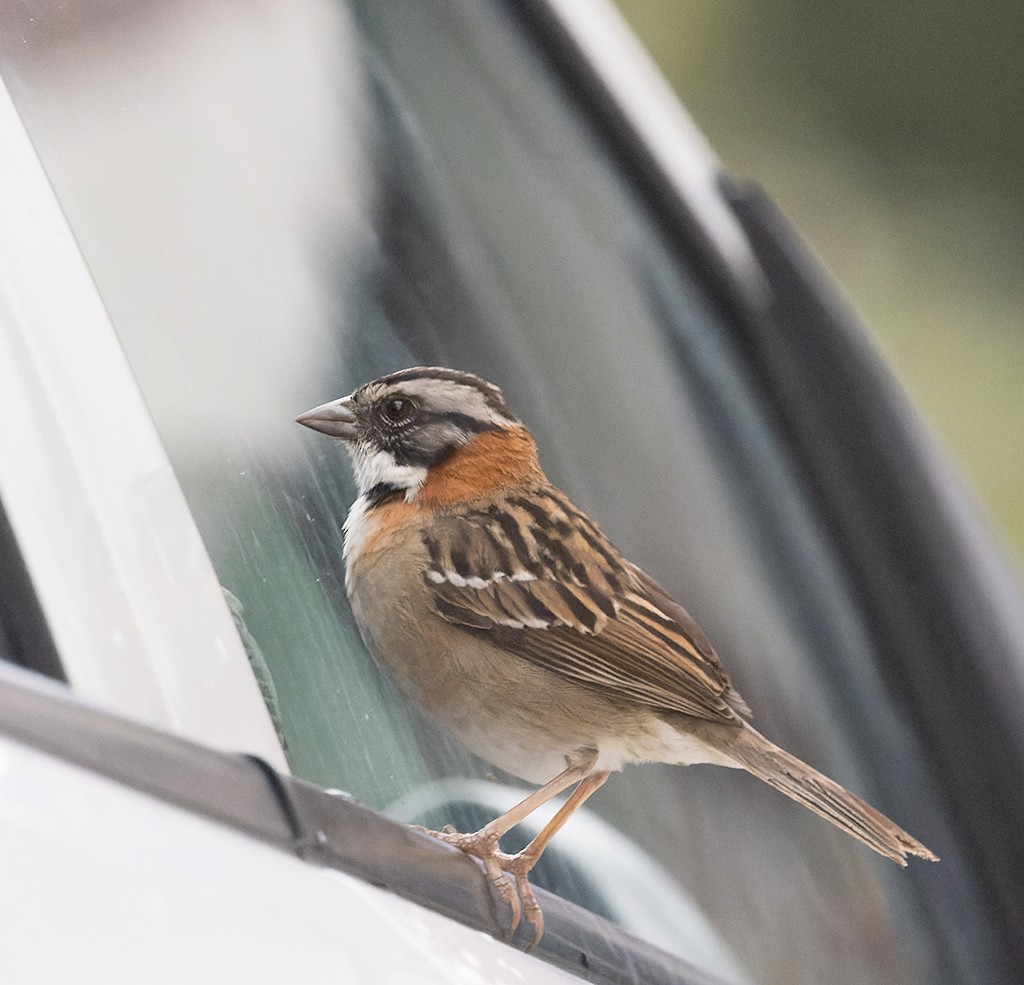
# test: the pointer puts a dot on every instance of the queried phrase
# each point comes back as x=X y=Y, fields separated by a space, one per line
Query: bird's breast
x=373 y=529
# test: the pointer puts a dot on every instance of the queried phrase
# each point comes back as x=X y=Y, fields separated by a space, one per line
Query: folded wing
x=536 y=573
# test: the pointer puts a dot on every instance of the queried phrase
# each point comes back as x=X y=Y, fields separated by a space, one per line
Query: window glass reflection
x=281 y=202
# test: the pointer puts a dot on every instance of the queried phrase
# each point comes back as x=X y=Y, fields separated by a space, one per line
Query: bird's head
x=401 y=426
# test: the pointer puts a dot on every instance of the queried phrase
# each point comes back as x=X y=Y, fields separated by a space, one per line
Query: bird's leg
x=485 y=841
x=520 y=864
x=483 y=844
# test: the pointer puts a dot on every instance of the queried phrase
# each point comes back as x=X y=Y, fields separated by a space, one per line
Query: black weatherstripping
x=25 y=637
x=329 y=830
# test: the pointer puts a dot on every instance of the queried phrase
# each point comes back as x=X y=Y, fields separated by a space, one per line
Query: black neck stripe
x=381 y=493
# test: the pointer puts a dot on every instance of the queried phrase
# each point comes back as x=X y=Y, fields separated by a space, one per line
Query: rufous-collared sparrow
x=506 y=614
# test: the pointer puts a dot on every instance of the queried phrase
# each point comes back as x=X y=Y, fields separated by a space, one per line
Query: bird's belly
x=658 y=742
x=517 y=716
x=520 y=717
x=503 y=709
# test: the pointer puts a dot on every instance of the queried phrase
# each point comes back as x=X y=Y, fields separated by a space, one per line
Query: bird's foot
x=507 y=875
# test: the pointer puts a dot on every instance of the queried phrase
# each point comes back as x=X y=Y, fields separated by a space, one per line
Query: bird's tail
x=824 y=796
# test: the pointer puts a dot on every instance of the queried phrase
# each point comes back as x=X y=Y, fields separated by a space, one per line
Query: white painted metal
x=104 y=884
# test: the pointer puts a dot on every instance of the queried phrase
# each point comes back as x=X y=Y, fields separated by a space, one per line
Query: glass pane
x=282 y=201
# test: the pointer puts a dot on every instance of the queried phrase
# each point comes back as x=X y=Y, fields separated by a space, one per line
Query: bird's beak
x=335 y=418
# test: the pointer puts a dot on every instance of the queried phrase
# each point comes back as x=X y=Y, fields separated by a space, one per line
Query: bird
x=504 y=612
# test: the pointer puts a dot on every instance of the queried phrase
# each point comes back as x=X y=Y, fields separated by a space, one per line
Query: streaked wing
x=538 y=575
x=687 y=625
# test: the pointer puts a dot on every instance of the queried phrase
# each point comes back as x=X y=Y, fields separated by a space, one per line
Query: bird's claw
x=504 y=890
x=519 y=866
x=509 y=878
x=507 y=875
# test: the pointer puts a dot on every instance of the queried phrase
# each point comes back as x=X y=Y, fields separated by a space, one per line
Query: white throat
x=358 y=527
x=380 y=468
x=372 y=469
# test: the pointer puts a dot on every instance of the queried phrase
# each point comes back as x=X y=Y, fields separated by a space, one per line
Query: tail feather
x=825 y=797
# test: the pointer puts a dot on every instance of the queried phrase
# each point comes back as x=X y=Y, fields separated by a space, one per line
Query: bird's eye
x=398 y=410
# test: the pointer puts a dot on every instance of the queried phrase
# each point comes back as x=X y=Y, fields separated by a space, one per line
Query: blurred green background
x=892 y=135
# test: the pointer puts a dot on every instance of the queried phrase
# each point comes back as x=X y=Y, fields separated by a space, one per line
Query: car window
x=279 y=206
